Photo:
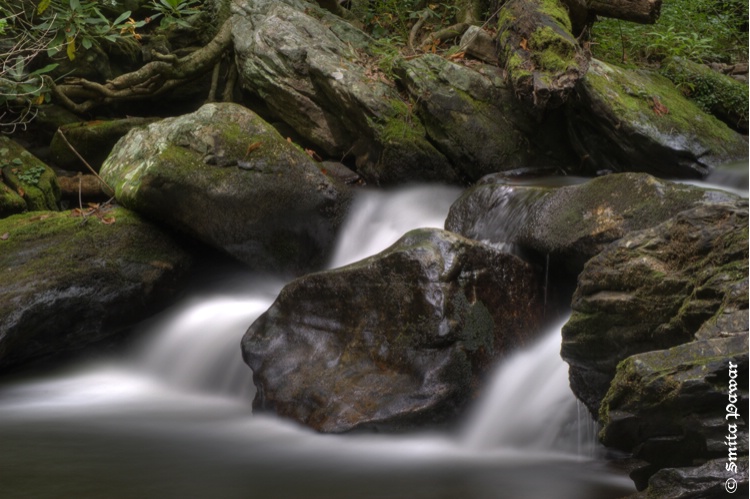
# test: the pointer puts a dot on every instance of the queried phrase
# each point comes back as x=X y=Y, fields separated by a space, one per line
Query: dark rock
x=93 y=140
x=668 y=407
x=69 y=282
x=655 y=289
x=401 y=339
x=709 y=481
x=473 y=117
x=627 y=120
x=226 y=177
x=572 y=223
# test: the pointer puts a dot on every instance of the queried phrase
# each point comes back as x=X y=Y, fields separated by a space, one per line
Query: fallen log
x=542 y=58
x=637 y=11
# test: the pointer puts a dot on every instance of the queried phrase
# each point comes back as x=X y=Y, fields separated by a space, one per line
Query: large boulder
x=71 y=279
x=313 y=71
x=474 y=118
x=226 y=177
x=572 y=223
x=397 y=340
x=629 y=120
x=656 y=289
x=670 y=407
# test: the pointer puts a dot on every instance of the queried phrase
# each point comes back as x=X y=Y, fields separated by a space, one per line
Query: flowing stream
x=170 y=416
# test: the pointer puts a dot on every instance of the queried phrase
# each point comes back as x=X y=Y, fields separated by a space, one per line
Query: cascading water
x=171 y=417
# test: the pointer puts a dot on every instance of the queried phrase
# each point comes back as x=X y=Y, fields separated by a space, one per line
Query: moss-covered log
x=543 y=59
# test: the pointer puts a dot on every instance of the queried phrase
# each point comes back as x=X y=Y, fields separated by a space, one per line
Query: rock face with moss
x=659 y=318
x=655 y=289
x=69 y=282
x=313 y=71
x=26 y=183
x=714 y=92
x=227 y=178
x=397 y=340
x=628 y=120
x=573 y=223
x=475 y=119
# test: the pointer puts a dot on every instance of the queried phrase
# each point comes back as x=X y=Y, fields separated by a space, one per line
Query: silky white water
x=171 y=417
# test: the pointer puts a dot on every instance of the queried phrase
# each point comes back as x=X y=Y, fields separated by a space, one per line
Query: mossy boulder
x=399 y=340
x=654 y=289
x=93 y=140
x=473 y=117
x=28 y=177
x=714 y=92
x=316 y=73
x=227 y=178
x=669 y=407
x=572 y=223
x=634 y=120
x=69 y=282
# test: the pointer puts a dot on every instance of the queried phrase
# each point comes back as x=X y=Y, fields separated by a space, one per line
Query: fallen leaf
x=21 y=192
x=457 y=56
x=108 y=220
x=313 y=155
x=5 y=236
x=252 y=147
x=659 y=108
x=524 y=44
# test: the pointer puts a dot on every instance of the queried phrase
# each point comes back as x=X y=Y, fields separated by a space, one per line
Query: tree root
x=152 y=79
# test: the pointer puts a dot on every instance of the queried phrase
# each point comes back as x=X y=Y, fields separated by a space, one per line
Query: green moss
x=710 y=90
x=557 y=11
x=400 y=124
x=632 y=96
x=10 y=201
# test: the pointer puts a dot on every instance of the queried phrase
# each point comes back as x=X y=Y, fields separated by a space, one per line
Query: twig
x=65 y=139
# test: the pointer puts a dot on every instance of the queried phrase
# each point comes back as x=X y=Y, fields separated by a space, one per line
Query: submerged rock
x=398 y=340
x=226 y=177
x=68 y=281
x=627 y=120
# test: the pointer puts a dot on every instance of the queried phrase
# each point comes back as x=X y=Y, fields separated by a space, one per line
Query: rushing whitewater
x=171 y=417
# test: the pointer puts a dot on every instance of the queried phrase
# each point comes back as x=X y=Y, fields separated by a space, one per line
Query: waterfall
x=171 y=416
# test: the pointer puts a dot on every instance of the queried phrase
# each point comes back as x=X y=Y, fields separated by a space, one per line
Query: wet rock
x=227 y=178
x=398 y=340
x=571 y=223
x=69 y=282
x=669 y=407
x=655 y=289
x=709 y=481
x=26 y=183
x=315 y=72
x=628 y=120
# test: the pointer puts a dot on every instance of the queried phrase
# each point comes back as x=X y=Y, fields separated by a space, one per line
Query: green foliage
x=30 y=175
x=79 y=23
x=699 y=30
x=175 y=12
